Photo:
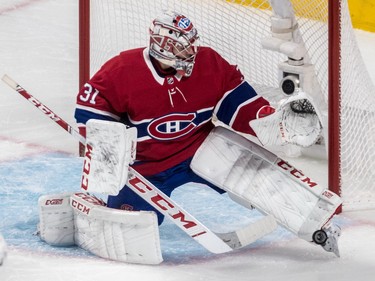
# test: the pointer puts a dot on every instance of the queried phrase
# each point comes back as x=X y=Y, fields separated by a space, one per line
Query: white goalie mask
x=173 y=42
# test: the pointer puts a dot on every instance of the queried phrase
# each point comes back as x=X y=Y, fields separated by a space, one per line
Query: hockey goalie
x=149 y=118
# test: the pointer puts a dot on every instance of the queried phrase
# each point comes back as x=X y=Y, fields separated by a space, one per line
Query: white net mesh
x=357 y=123
x=222 y=26
x=235 y=29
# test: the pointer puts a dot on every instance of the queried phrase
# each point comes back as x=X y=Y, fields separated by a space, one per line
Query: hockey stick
x=213 y=242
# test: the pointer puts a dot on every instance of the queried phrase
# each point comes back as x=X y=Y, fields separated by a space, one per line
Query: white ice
x=39 y=49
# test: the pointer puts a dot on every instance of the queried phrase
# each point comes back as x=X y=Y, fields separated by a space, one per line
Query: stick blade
x=249 y=234
x=9 y=81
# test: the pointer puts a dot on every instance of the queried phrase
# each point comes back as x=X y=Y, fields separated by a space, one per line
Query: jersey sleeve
x=98 y=98
x=240 y=102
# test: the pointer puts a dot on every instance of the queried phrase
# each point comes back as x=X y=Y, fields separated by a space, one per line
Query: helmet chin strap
x=184 y=69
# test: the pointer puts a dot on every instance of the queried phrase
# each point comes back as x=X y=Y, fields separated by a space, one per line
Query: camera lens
x=289 y=84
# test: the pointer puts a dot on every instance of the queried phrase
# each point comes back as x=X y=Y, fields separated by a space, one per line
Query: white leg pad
x=56 y=225
x=259 y=178
x=80 y=219
x=119 y=235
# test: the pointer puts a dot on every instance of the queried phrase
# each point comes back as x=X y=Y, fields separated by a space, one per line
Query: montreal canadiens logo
x=184 y=23
x=171 y=126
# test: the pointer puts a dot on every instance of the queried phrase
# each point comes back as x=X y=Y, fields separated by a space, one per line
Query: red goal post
x=333 y=71
x=334 y=31
x=84 y=41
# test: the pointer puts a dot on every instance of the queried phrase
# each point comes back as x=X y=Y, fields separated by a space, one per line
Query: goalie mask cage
x=332 y=70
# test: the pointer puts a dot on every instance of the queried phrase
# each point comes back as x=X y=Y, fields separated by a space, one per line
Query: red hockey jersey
x=172 y=114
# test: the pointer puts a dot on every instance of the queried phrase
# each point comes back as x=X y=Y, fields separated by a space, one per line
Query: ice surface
x=39 y=49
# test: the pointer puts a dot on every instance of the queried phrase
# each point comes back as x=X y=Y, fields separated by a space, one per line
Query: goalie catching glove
x=295 y=121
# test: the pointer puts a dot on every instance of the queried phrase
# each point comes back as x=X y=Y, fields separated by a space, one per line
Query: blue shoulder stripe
x=232 y=101
x=82 y=116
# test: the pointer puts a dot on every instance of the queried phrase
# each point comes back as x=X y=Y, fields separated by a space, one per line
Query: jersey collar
x=152 y=69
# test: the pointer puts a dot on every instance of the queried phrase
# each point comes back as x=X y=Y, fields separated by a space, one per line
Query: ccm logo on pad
x=296 y=173
x=54 y=202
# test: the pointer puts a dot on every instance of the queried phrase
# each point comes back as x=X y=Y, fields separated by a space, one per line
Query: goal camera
x=289 y=84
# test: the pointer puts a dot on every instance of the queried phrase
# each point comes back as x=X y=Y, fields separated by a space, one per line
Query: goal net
x=251 y=34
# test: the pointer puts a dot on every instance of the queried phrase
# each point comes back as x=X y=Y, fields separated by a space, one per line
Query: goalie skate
x=328 y=237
